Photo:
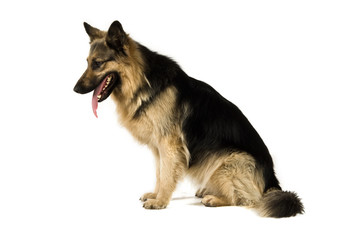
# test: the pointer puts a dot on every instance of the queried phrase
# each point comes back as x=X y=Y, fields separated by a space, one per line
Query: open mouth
x=103 y=90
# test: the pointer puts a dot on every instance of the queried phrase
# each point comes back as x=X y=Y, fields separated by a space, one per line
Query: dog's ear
x=93 y=32
x=116 y=37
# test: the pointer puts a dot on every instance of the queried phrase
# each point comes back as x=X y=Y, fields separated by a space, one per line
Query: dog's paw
x=213 y=201
x=201 y=192
x=147 y=196
x=154 y=204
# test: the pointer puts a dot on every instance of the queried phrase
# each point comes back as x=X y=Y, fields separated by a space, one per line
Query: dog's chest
x=157 y=119
x=142 y=129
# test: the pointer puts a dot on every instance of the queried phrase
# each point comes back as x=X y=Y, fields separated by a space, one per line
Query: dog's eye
x=96 y=64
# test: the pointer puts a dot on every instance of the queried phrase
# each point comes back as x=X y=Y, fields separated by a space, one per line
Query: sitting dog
x=191 y=129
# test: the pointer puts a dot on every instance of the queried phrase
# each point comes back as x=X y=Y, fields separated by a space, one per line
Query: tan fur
x=226 y=178
x=157 y=118
x=234 y=180
x=158 y=127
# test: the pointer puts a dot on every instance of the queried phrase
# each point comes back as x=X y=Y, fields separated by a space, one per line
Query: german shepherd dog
x=190 y=128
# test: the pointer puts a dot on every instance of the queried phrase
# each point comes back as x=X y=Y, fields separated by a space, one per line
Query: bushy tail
x=278 y=204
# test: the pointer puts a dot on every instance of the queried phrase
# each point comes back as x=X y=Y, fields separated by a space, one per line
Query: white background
x=293 y=68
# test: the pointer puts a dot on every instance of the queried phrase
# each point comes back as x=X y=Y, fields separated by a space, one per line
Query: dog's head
x=109 y=56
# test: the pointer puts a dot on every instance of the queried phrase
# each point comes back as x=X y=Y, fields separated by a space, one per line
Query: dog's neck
x=143 y=78
x=134 y=87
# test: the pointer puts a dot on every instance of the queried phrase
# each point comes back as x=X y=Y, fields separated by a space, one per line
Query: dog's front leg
x=172 y=166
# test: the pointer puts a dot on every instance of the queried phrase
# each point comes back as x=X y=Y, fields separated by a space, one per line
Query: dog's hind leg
x=235 y=182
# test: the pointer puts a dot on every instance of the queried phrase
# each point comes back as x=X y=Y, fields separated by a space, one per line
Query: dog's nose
x=80 y=88
x=77 y=89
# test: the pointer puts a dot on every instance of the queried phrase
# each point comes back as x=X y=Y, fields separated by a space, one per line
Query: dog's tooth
x=99 y=96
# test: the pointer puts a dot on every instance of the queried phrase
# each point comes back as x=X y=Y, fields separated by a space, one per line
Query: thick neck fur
x=143 y=77
x=132 y=78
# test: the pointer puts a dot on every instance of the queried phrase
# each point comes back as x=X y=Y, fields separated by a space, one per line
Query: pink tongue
x=95 y=98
